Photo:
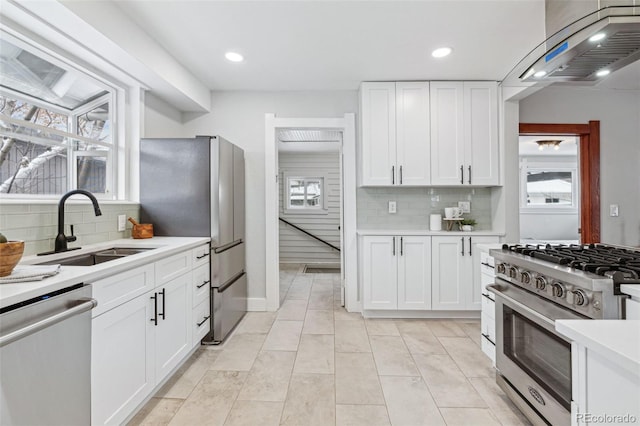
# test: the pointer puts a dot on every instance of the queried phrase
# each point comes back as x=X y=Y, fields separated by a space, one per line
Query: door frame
x=346 y=124
x=589 y=170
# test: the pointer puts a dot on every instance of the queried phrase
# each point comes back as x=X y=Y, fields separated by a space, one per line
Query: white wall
x=239 y=117
x=619 y=115
x=296 y=247
x=161 y=120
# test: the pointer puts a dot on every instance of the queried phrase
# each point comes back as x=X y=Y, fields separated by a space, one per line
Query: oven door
x=533 y=358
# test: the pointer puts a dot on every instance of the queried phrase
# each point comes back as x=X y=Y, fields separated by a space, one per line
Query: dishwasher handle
x=86 y=305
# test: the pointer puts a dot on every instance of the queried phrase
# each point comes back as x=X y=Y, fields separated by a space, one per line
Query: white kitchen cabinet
x=454 y=284
x=395 y=134
x=464 y=133
x=396 y=272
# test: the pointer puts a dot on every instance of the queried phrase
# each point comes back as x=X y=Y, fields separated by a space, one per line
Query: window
x=548 y=186
x=305 y=194
x=55 y=125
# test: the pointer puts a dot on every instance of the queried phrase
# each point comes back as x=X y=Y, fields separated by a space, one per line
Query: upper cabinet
x=464 y=133
x=395 y=149
x=429 y=133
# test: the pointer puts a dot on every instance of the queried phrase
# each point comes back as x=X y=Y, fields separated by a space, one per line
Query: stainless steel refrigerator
x=195 y=188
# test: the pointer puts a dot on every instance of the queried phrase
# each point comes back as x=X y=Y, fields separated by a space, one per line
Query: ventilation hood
x=573 y=56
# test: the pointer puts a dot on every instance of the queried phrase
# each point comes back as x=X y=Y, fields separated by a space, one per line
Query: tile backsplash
x=414 y=205
x=37 y=223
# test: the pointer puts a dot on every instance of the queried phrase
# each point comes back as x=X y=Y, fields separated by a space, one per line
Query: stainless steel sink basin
x=96 y=257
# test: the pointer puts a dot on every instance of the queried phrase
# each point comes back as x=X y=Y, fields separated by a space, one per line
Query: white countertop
x=425 y=232
x=71 y=275
x=617 y=340
x=632 y=290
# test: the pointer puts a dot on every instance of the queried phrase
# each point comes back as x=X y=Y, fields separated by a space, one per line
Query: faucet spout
x=61 y=239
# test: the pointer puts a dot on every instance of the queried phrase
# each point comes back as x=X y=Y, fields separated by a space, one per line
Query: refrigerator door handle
x=230 y=282
x=220 y=249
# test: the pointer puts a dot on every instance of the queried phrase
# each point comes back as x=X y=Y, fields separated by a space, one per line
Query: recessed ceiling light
x=597 y=37
x=602 y=73
x=540 y=73
x=234 y=57
x=441 y=52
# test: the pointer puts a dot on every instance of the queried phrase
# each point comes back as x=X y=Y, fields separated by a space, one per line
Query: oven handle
x=495 y=289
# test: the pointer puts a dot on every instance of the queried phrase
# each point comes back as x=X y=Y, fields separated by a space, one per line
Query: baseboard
x=256 y=304
x=421 y=314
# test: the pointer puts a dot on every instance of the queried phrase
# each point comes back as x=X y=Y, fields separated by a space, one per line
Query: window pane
x=547 y=187
x=313 y=193
x=95 y=124
x=31 y=168
x=92 y=173
x=296 y=193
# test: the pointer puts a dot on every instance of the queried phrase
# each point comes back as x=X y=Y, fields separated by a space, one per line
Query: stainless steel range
x=537 y=285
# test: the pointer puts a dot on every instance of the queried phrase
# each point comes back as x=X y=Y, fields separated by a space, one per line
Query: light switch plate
x=122 y=222
x=465 y=206
x=392 y=206
x=613 y=210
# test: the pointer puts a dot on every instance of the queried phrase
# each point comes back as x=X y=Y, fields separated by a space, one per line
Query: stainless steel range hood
x=583 y=52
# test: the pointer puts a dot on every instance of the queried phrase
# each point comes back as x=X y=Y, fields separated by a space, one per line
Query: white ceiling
x=334 y=45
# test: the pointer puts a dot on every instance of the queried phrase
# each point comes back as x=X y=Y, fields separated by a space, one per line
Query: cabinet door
x=173 y=332
x=378 y=147
x=474 y=291
x=451 y=273
x=481 y=133
x=379 y=272
x=122 y=368
x=414 y=273
x=412 y=134
x=447 y=134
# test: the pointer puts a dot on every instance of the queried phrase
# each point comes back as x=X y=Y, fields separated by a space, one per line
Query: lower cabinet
x=396 y=272
x=455 y=285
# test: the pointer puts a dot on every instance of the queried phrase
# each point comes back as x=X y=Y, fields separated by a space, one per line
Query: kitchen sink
x=96 y=257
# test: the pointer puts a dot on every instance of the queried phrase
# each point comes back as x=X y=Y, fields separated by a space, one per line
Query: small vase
x=467 y=227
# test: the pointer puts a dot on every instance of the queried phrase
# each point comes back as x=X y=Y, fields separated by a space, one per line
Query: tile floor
x=313 y=363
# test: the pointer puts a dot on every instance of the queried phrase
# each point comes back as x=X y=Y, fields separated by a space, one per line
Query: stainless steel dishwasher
x=45 y=359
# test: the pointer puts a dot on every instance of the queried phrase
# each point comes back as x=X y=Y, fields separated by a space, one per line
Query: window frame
x=527 y=164
x=305 y=209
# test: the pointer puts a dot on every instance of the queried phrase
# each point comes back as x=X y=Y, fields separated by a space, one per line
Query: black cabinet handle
x=401 y=248
x=394 y=246
x=203 y=321
x=462 y=239
x=486 y=336
x=203 y=284
x=469 y=246
x=469 y=175
x=461 y=174
x=484 y=295
x=203 y=256
x=164 y=296
x=393 y=175
x=400 y=175
x=155 y=308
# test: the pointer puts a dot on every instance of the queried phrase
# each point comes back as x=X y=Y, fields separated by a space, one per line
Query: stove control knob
x=501 y=268
x=580 y=298
x=513 y=272
x=541 y=283
x=558 y=290
x=525 y=277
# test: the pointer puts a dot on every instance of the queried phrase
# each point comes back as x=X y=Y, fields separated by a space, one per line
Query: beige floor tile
x=409 y=402
x=185 y=379
x=472 y=329
x=269 y=377
x=448 y=386
x=293 y=309
x=351 y=336
x=321 y=282
x=299 y=290
x=252 y=413
x=413 y=326
x=318 y=322
x=422 y=343
x=443 y=328
x=256 y=322
x=469 y=416
x=341 y=314
x=311 y=400
x=156 y=412
x=211 y=400
x=321 y=300
x=392 y=357
x=357 y=380
x=500 y=405
x=361 y=415
x=239 y=352
x=381 y=327
x=315 y=354
x=284 y=336
x=468 y=357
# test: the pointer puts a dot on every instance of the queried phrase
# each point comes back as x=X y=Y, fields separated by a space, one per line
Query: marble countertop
x=617 y=340
x=70 y=275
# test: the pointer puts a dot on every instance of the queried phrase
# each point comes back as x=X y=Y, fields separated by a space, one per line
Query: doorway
x=348 y=246
x=588 y=169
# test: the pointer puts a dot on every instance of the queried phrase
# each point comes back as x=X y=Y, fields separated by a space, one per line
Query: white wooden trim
x=349 y=235
x=272 y=271
x=256 y=304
